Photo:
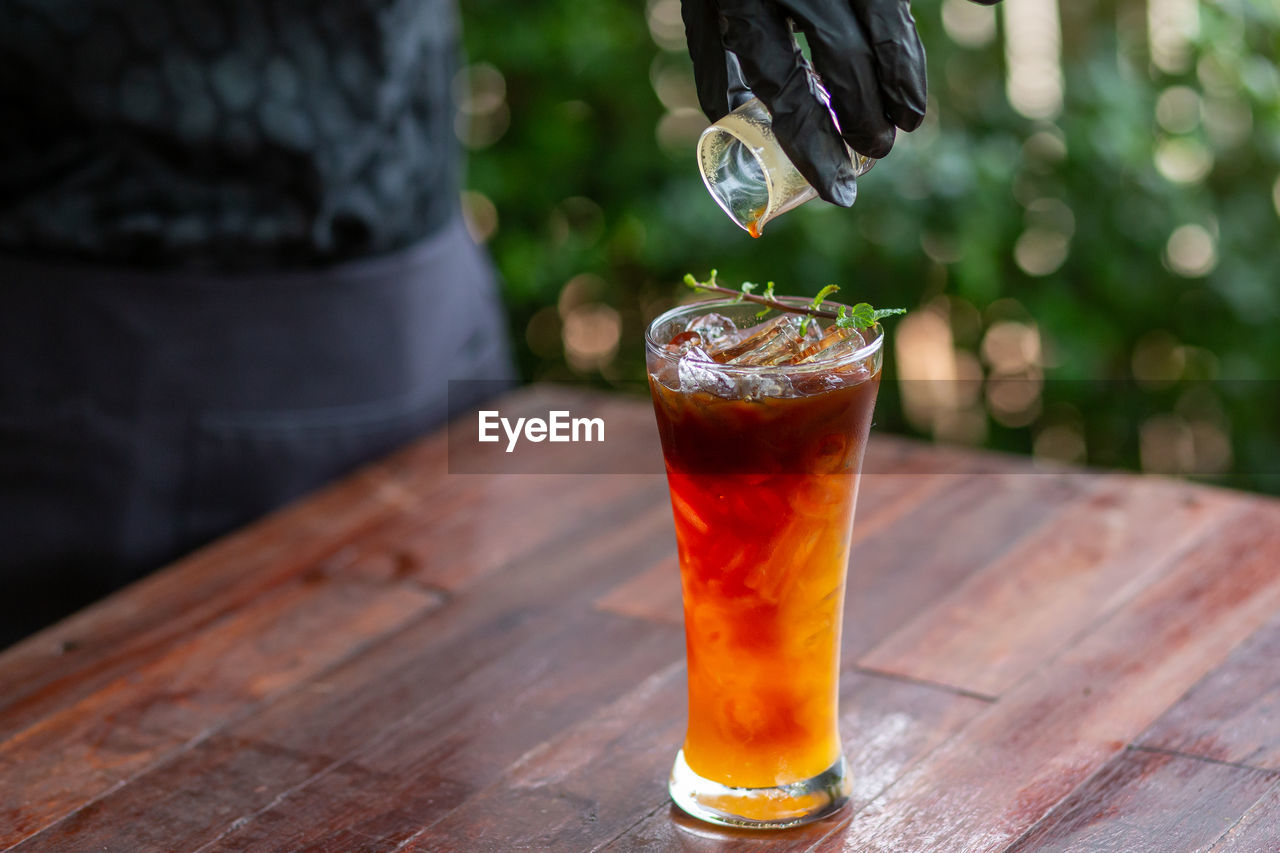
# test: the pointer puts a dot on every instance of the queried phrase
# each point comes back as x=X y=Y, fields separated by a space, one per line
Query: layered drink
x=763 y=423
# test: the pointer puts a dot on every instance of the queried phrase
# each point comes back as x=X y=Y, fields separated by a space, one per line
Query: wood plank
x=1004 y=771
x=1149 y=802
x=1000 y=623
x=60 y=665
x=413 y=772
x=1258 y=831
x=1233 y=714
x=510 y=654
x=886 y=725
x=901 y=568
x=234 y=665
x=517 y=514
x=654 y=594
x=438 y=761
x=583 y=785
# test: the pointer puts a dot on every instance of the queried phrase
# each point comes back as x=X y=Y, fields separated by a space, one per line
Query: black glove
x=868 y=55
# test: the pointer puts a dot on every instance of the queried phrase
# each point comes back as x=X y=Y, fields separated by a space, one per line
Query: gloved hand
x=868 y=55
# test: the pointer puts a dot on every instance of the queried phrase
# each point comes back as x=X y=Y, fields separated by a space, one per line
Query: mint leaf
x=863 y=316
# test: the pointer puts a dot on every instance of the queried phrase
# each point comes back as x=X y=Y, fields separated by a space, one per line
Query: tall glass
x=763 y=472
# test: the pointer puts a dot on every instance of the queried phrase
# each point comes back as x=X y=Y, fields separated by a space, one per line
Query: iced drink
x=763 y=429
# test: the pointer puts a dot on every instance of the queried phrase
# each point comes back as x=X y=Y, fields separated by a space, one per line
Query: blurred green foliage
x=1147 y=333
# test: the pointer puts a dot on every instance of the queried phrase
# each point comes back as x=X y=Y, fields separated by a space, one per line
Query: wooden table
x=423 y=661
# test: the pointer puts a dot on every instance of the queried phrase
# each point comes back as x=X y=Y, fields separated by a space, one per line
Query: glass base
x=760 y=808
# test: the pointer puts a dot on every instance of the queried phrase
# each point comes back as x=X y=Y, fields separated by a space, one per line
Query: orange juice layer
x=763 y=562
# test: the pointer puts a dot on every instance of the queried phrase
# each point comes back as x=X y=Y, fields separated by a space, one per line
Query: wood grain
x=901 y=568
x=447 y=685
x=584 y=784
x=1003 y=772
x=267 y=647
x=1233 y=714
x=1258 y=831
x=1000 y=623
x=64 y=663
x=1149 y=802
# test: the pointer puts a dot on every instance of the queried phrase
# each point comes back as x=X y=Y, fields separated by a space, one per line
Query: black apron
x=143 y=414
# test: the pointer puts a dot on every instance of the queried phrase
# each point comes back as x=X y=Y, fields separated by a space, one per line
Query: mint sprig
x=860 y=316
x=863 y=316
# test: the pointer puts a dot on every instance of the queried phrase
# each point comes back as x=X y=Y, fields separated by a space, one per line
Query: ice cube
x=699 y=372
x=813 y=331
x=667 y=376
x=771 y=342
x=734 y=344
x=764 y=385
x=809 y=342
x=683 y=342
x=711 y=327
x=836 y=343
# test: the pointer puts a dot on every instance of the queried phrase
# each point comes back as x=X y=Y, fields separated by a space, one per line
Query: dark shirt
x=225 y=133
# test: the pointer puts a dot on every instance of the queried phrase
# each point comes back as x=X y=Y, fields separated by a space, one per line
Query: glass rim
x=870 y=348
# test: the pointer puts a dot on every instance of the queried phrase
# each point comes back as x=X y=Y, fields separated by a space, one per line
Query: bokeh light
x=1211 y=446
x=1011 y=348
x=1033 y=56
x=941 y=385
x=480 y=215
x=665 y=24
x=591 y=334
x=680 y=125
x=1060 y=436
x=1015 y=401
x=582 y=289
x=968 y=24
x=1045 y=147
x=678 y=130
x=483 y=116
x=1178 y=109
x=1183 y=160
x=1040 y=251
x=1190 y=251
x=1044 y=245
x=1166 y=445
x=1171 y=27
x=1158 y=359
